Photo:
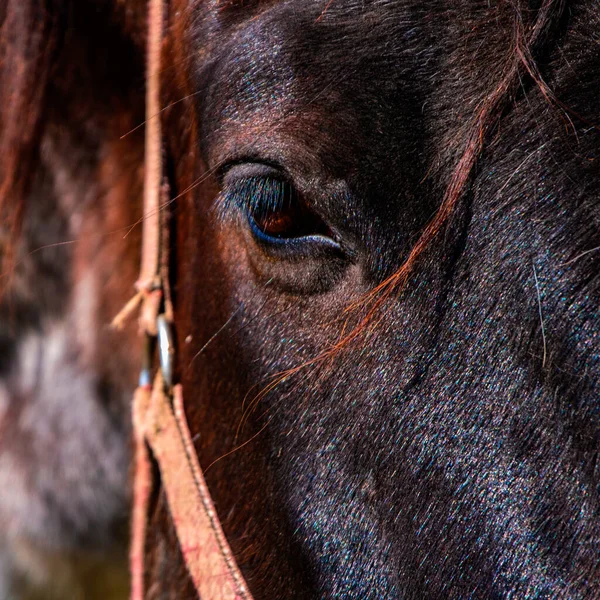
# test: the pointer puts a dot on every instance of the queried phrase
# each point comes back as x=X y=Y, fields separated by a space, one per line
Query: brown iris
x=286 y=222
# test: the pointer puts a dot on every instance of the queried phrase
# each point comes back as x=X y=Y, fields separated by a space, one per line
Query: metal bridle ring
x=166 y=350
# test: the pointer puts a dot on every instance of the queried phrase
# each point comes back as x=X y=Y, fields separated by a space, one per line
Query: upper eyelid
x=251 y=168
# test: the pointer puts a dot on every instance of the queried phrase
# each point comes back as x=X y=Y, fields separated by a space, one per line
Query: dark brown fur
x=439 y=439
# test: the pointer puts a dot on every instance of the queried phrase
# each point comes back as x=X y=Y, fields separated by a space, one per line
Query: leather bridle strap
x=162 y=426
x=159 y=422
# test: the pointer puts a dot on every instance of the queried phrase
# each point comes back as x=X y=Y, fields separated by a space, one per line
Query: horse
x=383 y=261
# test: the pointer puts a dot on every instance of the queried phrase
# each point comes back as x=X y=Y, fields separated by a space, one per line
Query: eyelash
x=256 y=195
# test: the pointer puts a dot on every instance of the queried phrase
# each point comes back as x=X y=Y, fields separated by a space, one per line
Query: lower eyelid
x=302 y=245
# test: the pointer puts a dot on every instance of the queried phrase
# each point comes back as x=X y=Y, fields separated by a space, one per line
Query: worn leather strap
x=153 y=150
x=207 y=555
x=160 y=428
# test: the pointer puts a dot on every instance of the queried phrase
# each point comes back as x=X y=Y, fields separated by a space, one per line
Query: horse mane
x=28 y=43
x=32 y=36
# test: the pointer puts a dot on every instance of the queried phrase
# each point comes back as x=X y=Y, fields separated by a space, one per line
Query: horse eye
x=287 y=242
x=276 y=211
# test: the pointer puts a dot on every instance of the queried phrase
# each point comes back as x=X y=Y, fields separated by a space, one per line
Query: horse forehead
x=307 y=21
x=323 y=9
x=269 y=53
x=291 y=79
